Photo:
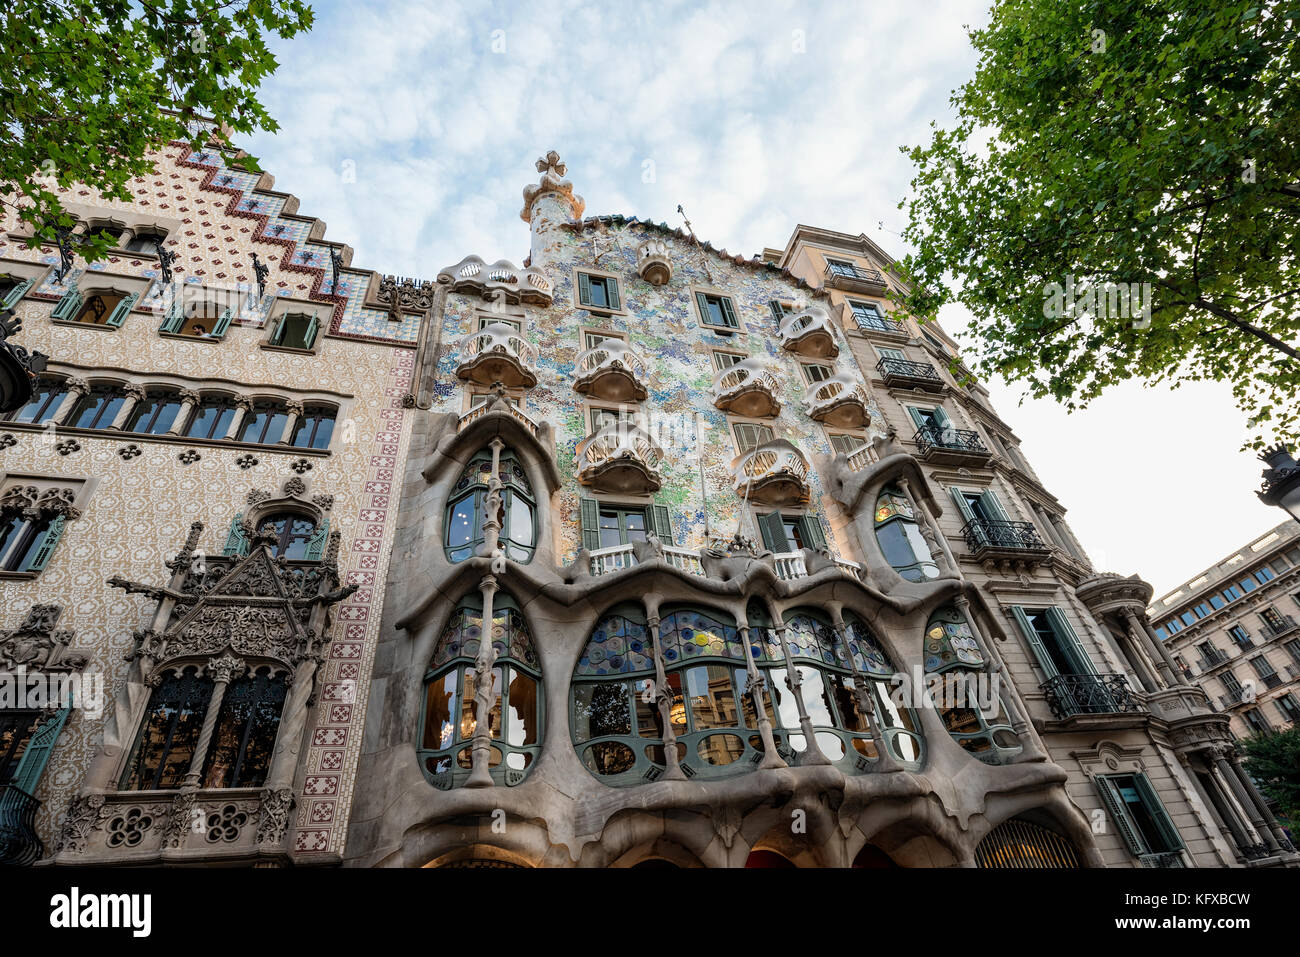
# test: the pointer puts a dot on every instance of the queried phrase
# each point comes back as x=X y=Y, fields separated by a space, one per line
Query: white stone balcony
x=810 y=333
x=653 y=264
x=502 y=280
x=748 y=388
x=620 y=459
x=839 y=401
x=607 y=560
x=774 y=473
x=613 y=372
x=497 y=353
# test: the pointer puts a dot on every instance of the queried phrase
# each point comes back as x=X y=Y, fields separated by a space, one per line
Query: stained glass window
x=466 y=513
x=900 y=537
x=968 y=697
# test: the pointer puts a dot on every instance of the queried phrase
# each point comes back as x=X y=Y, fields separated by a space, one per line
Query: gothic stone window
x=97 y=409
x=296 y=538
x=212 y=418
x=264 y=423
x=155 y=414
x=164 y=747
x=27 y=541
x=465 y=514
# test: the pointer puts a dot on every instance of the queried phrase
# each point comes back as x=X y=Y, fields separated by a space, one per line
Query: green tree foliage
x=1273 y=760
x=89 y=87
x=1123 y=141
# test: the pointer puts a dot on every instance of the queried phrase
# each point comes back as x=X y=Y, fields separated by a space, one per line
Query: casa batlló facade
x=711 y=507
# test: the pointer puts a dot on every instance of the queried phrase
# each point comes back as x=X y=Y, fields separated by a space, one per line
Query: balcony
x=747 y=388
x=613 y=372
x=18 y=367
x=809 y=333
x=774 y=473
x=988 y=539
x=906 y=374
x=19 y=843
x=839 y=401
x=498 y=353
x=501 y=281
x=949 y=446
x=1212 y=659
x=620 y=459
x=856 y=279
x=1283 y=626
x=874 y=326
x=604 y=561
x=1072 y=695
x=653 y=262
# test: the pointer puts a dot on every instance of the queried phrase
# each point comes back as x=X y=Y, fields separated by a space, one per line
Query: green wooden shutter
x=1035 y=643
x=1119 y=814
x=119 y=314
x=729 y=312
x=223 y=323
x=1070 y=641
x=778 y=311
x=662 y=523
x=67 y=306
x=16 y=293
x=32 y=764
x=46 y=549
x=236 y=540
x=316 y=544
x=812 y=526
x=1173 y=840
x=584 y=289
x=959 y=500
x=277 y=337
x=703 y=303
x=611 y=293
x=990 y=500
x=772 y=527
x=175 y=315
x=590 y=513
x=312 y=328
x=917 y=417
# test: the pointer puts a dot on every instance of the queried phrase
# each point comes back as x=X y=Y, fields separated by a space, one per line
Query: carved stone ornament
x=552 y=169
x=273 y=815
x=37 y=503
x=401 y=294
x=38 y=646
x=80 y=822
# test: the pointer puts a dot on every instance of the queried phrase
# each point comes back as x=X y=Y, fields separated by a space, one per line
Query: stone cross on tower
x=552 y=184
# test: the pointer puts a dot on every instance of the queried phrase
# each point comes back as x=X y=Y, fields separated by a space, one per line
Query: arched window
x=244 y=740
x=518 y=513
x=1019 y=843
x=264 y=423
x=296 y=538
x=449 y=716
x=47 y=396
x=900 y=537
x=314 y=428
x=164 y=747
x=155 y=414
x=97 y=408
x=145 y=241
x=969 y=704
x=212 y=419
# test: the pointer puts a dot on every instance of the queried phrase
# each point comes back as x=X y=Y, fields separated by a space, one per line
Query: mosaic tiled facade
x=711 y=506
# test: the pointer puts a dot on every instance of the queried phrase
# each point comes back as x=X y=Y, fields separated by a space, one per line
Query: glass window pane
x=712 y=699
x=786 y=709
x=521 y=727
x=649 y=722
x=601 y=708
x=520 y=526
x=439 y=706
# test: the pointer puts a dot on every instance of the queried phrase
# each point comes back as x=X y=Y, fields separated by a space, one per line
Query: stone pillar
x=1257 y=799
x=1243 y=798
x=756 y=686
x=1227 y=815
x=885 y=761
x=222 y=670
x=813 y=753
x=1132 y=651
x=663 y=697
x=243 y=405
x=295 y=413
x=189 y=401
x=76 y=389
x=1143 y=627
x=135 y=394
x=930 y=525
x=293 y=718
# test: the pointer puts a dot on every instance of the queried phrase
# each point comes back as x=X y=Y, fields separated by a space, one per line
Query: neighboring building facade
x=710 y=505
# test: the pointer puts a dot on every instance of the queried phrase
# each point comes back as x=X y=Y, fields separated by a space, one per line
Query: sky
x=412 y=127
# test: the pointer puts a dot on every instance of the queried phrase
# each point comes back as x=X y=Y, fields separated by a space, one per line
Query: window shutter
x=32 y=764
x=990 y=500
x=778 y=311
x=941 y=417
x=772 y=527
x=236 y=540
x=175 y=315
x=312 y=328
x=118 y=315
x=1071 y=641
x=223 y=323
x=52 y=536
x=703 y=303
x=590 y=513
x=661 y=522
x=812 y=525
x=729 y=312
x=917 y=417
x=584 y=289
x=1119 y=814
x=16 y=293
x=959 y=500
x=611 y=293
x=316 y=544
x=1035 y=643
x=277 y=337
x=67 y=306
x=1173 y=840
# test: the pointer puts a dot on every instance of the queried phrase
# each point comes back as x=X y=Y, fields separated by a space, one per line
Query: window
x=971 y=710
x=1174 y=626
x=621 y=526
x=717 y=310
x=1286 y=706
x=12 y=290
x=868 y=315
x=780 y=310
x=815 y=373
x=841 y=267
x=1247 y=584
x=900 y=538
x=983 y=514
x=1262 y=666
x=47 y=397
x=264 y=423
x=296 y=330
x=197 y=317
x=26 y=543
x=609 y=526
x=943 y=349
x=1053 y=641
x=934 y=421
x=1293 y=648
x=1273 y=620
x=296 y=538
x=165 y=745
x=1231 y=594
x=598 y=292
x=449 y=717
x=466 y=512
x=609 y=418
x=109 y=308
x=109 y=231
x=244 y=740
x=145 y=241
x=1140 y=817
x=593 y=339
x=1202 y=610
x=1231 y=684
x=846 y=444
x=722 y=361
x=1239 y=635
x=16 y=727
x=96 y=409
x=894 y=354
x=314 y=428
x=1188 y=618
x=1264 y=575
x=1257 y=722
x=489 y=320
x=212 y=419
x=791 y=533
x=154 y=414
x=750 y=435
x=1217 y=602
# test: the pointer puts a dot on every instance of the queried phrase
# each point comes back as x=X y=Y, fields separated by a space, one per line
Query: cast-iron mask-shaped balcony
x=839 y=401
x=613 y=372
x=809 y=333
x=945 y=445
x=620 y=459
x=748 y=388
x=774 y=473
x=497 y=353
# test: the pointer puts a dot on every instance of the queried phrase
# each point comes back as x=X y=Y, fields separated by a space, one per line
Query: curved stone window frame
x=465 y=504
x=951 y=650
x=452 y=668
x=151 y=412
x=316 y=424
x=898 y=533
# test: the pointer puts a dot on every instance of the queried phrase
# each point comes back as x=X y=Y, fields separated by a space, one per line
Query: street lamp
x=1281 y=481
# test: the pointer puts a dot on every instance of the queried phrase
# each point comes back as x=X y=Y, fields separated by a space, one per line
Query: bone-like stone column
x=663 y=698
x=757 y=684
x=885 y=761
x=813 y=753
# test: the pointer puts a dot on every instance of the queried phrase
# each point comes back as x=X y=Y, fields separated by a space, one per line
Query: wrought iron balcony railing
x=1071 y=695
x=892 y=368
x=19 y=843
x=948 y=439
x=1213 y=657
x=1284 y=625
x=982 y=535
x=849 y=276
x=871 y=322
x=1162 y=859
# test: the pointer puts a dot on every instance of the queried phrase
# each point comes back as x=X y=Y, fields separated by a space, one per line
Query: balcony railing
x=502 y=278
x=931 y=440
x=873 y=324
x=611 y=371
x=1162 y=859
x=844 y=276
x=774 y=473
x=19 y=843
x=498 y=353
x=861 y=457
x=1071 y=695
x=809 y=333
x=984 y=535
x=1284 y=625
x=840 y=401
x=747 y=388
x=789 y=565
x=1212 y=658
x=621 y=458
x=906 y=372
x=482 y=409
x=1271 y=680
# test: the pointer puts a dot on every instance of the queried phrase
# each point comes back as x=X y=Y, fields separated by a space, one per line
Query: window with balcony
x=1141 y=819
x=516 y=513
x=212 y=419
x=198 y=314
x=314 y=428
x=722 y=361
x=1231 y=685
x=16 y=727
x=900 y=538
x=591 y=340
x=1053 y=641
x=610 y=526
x=107 y=307
x=1240 y=636
x=717 y=310
x=1263 y=667
x=264 y=423
x=598 y=292
x=841 y=267
x=12 y=289
x=845 y=443
x=47 y=397
x=869 y=316
x=296 y=330
x=155 y=414
x=784 y=533
x=621 y=526
x=750 y=435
